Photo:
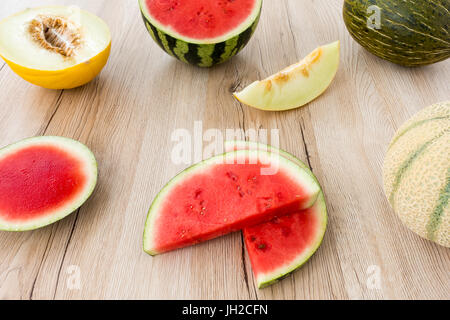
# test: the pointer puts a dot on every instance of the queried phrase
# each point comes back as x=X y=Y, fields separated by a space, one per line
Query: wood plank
x=127 y=116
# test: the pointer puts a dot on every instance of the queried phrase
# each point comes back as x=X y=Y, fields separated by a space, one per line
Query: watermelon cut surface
x=201 y=32
x=282 y=245
x=42 y=180
x=218 y=196
x=201 y=19
x=279 y=247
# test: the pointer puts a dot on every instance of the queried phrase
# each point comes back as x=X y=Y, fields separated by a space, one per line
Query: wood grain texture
x=127 y=115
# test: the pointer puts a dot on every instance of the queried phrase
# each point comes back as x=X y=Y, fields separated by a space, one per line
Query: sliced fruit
x=42 y=180
x=235 y=145
x=224 y=194
x=296 y=85
x=201 y=32
x=416 y=173
x=55 y=47
x=408 y=33
x=283 y=245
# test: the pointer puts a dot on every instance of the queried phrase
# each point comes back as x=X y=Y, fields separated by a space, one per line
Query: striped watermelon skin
x=412 y=32
x=416 y=173
x=201 y=55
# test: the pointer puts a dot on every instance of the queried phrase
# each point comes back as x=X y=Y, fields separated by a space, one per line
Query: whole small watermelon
x=408 y=33
x=201 y=32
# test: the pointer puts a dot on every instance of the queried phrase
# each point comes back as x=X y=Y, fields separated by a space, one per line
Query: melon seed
x=198 y=193
x=56 y=34
x=232 y=176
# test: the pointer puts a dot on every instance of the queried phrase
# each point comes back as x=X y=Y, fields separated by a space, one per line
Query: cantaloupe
x=417 y=173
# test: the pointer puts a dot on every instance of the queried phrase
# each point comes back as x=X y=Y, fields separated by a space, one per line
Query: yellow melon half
x=55 y=47
x=296 y=85
x=417 y=173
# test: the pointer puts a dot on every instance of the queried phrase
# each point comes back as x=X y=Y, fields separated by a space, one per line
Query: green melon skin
x=200 y=55
x=416 y=173
x=412 y=33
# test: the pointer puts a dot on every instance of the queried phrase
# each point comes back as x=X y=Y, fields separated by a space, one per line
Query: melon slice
x=201 y=32
x=42 y=180
x=283 y=245
x=296 y=85
x=56 y=47
x=224 y=194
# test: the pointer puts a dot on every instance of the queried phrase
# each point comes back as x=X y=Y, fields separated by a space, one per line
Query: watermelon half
x=218 y=196
x=42 y=180
x=201 y=32
x=281 y=246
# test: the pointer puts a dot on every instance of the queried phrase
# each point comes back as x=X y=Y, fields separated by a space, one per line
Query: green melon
x=201 y=32
x=417 y=173
x=411 y=33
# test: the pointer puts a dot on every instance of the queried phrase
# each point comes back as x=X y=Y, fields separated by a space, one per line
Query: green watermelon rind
x=251 y=145
x=281 y=274
x=197 y=52
x=83 y=153
x=304 y=178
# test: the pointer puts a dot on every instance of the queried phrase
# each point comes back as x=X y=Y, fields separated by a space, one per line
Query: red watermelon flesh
x=201 y=19
x=282 y=245
x=43 y=179
x=215 y=198
x=37 y=180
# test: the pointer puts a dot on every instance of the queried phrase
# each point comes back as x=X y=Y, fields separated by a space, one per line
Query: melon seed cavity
x=56 y=34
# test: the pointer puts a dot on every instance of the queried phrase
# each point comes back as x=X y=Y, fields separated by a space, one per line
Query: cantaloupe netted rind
x=417 y=173
x=75 y=149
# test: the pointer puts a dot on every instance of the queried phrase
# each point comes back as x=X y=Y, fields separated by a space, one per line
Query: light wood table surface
x=127 y=115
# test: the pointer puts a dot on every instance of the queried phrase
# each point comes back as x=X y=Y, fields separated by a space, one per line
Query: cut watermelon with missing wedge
x=281 y=246
x=201 y=32
x=42 y=180
x=218 y=196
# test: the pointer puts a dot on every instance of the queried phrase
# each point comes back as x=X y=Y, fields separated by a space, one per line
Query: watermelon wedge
x=42 y=180
x=224 y=194
x=283 y=245
x=201 y=32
